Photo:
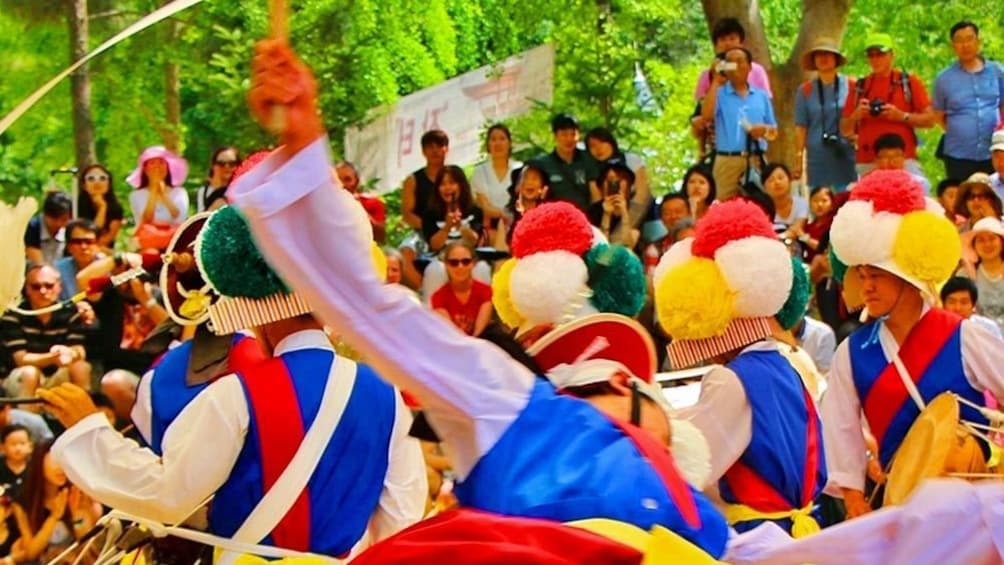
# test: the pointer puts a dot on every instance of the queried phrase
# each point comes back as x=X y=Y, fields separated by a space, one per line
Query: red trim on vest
x=276 y=411
x=244 y=355
x=659 y=457
x=811 y=452
x=922 y=345
x=752 y=490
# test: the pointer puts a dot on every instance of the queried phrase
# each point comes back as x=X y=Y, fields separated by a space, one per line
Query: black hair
x=889 y=141
x=435 y=137
x=961 y=25
x=81 y=224
x=682 y=196
x=957 y=284
x=770 y=169
x=57 y=204
x=746 y=52
x=465 y=198
x=615 y=164
x=945 y=184
x=85 y=205
x=605 y=135
x=216 y=154
x=498 y=127
x=727 y=26
x=504 y=340
x=12 y=428
x=819 y=189
x=705 y=172
x=564 y=121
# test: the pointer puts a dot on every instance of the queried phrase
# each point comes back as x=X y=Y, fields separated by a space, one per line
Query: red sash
x=276 y=413
x=887 y=395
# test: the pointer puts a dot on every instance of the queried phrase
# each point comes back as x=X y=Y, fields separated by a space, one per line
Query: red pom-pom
x=896 y=192
x=249 y=162
x=729 y=221
x=555 y=226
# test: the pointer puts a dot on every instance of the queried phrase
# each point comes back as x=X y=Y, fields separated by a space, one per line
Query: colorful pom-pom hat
x=889 y=223
x=560 y=270
x=717 y=292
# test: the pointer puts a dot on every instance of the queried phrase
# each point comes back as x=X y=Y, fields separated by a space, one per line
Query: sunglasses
x=227 y=163
x=39 y=286
x=83 y=240
x=979 y=196
x=458 y=262
x=96 y=178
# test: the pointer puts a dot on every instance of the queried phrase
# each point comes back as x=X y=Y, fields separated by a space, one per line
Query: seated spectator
x=948 y=197
x=159 y=203
x=348 y=177
x=13 y=529
x=16 y=442
x=699 y=186
x=603 y=147
x=569 y=169
x=44 y=238
x=673 y=208
x=82 y=249
x=530 y=190
x=213 y=194
x=997 y=160
x=38 y=429
x=394 y=261
x=682 y=229
x=983 y=254
x=58 y=513
x=610 y=211
x=977 y=200
x=821 y=206
x=47 y=349
x=791 y=212
x=96 y=201
x=890 y=154
x=960 y=295
x=463 y=300
x=119 y=388
x=491 y=180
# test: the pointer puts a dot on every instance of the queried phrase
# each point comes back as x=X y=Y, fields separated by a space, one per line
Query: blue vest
x=564 y=460
x=778 y=449
x=945 y=373
x=344 y=489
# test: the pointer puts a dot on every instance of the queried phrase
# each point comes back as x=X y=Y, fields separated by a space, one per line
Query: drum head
x=925 y=449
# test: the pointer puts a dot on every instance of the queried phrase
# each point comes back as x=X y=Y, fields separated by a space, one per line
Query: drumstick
x=974 y=475
x=279 y=29
x=20 y=401
x=992 y=415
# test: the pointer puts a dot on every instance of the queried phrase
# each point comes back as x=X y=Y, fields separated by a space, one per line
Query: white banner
x=388 y=148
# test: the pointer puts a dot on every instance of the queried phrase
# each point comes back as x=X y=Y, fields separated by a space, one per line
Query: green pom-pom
x=617 y=279
x=837 y=266
x=798 y=298
x=230 y=260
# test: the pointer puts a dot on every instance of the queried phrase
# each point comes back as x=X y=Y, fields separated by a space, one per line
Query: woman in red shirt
x=463 y=300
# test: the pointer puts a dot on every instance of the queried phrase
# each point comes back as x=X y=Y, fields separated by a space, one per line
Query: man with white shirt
x=960 y=295
x=329 y=434
x=898 y=251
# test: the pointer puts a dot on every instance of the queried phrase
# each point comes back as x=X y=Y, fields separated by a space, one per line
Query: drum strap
x=911 y=387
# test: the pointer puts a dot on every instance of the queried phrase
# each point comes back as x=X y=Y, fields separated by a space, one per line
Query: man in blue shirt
x=969 y=103
x=744 y=121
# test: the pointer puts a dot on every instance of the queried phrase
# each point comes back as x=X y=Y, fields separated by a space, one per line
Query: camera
x=830 y=138
x=722 y=66
x=613 y=187
x=875 y=107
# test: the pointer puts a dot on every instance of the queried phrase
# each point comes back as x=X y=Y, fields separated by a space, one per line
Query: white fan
x=13 y=221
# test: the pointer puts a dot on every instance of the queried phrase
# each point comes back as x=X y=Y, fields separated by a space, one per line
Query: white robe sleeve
x=311 y=234
x=405 y=488
x=983 y=358
x=200 y=449
x=843 y=439
x=724 y=416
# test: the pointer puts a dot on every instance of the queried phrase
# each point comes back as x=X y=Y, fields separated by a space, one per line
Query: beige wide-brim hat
x=825 y=45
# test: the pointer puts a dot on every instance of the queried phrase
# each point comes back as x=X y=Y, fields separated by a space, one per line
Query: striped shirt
x=27 y=333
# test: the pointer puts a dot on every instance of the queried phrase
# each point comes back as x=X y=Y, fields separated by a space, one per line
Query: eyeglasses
x=83 y=240
x=39 y=286
x=458 y=262
x=96 y=178
x=227 y=163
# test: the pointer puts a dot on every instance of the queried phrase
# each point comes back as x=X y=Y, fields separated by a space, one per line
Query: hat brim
x=174 y=283
x=605 y=336
x=177 y=166
x=809 y=63
x=853 y=293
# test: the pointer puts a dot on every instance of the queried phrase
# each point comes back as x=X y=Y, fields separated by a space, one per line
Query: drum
x=937 y=445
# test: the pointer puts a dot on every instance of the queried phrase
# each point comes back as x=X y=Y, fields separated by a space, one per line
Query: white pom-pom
x=677 y=254
x=547 y=286
x=860 y=237
x=758 y=269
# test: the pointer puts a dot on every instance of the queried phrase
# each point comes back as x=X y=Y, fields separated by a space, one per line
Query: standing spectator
x=159 y=203
x=603 y=147
x=997 y=160
x=491 y=179
x=968 y=103
x=886 y=101
x=569 y=169
x=977 y=200
x=984 y=251
x=418 y=188
x=463 y=300
x=699 y=186
x=890 y=155
x=44 y=238
x=96 y=201
x=791 y=212
x=948 y=197
x=47 y=349
x=213 y=194
x=348 y=177
x=610 y=212
x=829 y=155
x=961 y=296
x=744 y=122
x=16 y=442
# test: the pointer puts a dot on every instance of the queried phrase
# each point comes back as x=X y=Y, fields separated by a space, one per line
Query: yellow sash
x=803 y=524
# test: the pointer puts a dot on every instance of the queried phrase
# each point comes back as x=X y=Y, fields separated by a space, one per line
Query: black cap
x=564 y=121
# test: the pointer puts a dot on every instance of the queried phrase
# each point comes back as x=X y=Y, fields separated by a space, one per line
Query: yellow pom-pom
x=693 y=301
x=927 y=247
x=379 y=261
x=501 y=297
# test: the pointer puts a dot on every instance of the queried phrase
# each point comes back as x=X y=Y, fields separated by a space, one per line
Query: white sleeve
x=724 y=416
x=843 y=439
x=983 y=358
x=179 y=196
x=825 y=350
x=200 y=449
x=406 y=487
x=142 y=409
x=478 y=185
x=471 y=390
x=137 y=201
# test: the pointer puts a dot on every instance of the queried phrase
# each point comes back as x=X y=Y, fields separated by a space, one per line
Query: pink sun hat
x=176 y=165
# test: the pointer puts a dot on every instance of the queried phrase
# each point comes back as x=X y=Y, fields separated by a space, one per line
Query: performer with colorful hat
x=722 y=296
x=306 y=451
x=893 y=248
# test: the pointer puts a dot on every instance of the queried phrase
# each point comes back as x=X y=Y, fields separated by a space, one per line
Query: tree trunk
x=820 y=18
x=172 y=90
x=80 y=85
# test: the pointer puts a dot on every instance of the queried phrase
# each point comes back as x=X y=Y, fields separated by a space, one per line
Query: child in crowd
x=16 y=442
x=821 y=206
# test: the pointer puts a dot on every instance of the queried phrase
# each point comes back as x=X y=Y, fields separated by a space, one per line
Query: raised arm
x=471 y=390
